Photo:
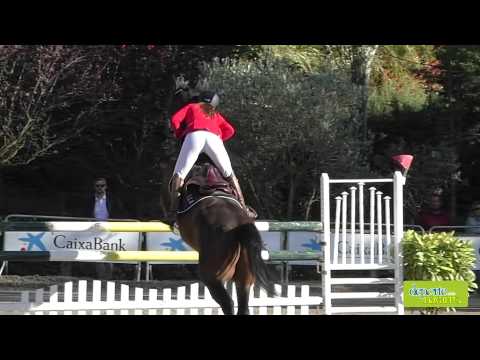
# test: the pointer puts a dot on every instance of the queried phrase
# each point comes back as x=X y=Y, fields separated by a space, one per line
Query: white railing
x=374 y=246
x=374 y=241
x=103 y=299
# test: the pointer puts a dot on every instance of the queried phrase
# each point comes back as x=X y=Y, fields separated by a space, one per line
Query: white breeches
x=198 y=142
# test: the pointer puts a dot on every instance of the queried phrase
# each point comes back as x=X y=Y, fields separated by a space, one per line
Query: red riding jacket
x=191 y=118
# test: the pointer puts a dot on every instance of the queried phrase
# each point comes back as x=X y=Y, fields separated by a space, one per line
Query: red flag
x=405 y=161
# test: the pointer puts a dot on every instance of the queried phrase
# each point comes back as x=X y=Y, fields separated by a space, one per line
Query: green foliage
x=397 y=83
x=308 y=58
x=291 y=127
x=438 y=256
x=430 y=100
x=434 y=167
x=397 y=95
x=460 y=74
x=459 y=68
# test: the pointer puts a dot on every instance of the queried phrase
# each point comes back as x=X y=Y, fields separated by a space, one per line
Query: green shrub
x=438 y=256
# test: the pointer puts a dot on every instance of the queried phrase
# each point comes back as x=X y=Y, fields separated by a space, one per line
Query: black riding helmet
x=210 y=97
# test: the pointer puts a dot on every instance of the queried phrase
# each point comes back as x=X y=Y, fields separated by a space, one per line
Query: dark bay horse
x=229 y=246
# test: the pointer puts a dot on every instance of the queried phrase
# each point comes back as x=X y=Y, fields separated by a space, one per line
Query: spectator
x=101 y=205
x=434 y=214
x=474 y=218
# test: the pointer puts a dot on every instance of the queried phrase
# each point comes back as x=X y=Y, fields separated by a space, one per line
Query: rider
x=203 y=130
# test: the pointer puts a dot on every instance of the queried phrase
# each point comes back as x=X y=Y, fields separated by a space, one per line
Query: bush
x=437 y=257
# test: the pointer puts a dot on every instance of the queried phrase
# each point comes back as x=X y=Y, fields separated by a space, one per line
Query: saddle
x=204 y=180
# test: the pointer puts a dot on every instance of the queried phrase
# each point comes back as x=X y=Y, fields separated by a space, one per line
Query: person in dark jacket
x=103 y=205
x=100 y=205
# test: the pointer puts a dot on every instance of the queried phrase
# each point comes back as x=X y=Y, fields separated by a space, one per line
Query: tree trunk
x=291 y=196
x=3 y=198
x=362 y=60
x=452 y=122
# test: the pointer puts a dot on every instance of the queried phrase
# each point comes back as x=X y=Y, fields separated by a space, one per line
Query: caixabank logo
x=97 y=243
x=175 y=244
x=33 y=242
x=312 y=245
x=39 y=242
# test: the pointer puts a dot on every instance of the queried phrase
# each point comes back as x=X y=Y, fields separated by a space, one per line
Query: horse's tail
x=251 y=240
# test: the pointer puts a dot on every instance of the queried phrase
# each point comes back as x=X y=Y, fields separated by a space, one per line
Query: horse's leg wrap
x=233 y=181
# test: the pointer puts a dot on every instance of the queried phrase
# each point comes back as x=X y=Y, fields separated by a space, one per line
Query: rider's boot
x=175 y=185
x=235 y=184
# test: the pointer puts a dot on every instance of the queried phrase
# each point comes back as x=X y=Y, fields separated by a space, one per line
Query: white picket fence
x=103 y=299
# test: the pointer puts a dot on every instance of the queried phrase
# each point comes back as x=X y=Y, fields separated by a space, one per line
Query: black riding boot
x=234 y=182
x=175 y=185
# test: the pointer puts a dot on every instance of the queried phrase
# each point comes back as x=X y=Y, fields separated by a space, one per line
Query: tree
x=355 y=59
x=403 y=78
x=308 y=58
x=291 y=127
x=459 y=75
x=124 y=136
x=362 y=59
x=49 y=95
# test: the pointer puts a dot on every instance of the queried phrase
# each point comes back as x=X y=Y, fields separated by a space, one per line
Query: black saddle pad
x=193 y=196
x=204 y=180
